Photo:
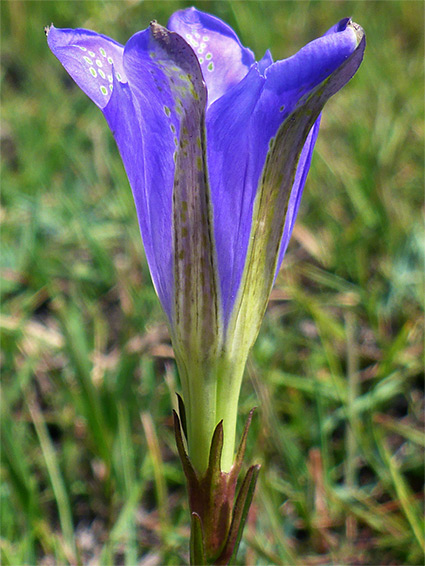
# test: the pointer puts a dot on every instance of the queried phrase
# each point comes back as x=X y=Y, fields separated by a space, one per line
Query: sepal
x=197 y=545
x=217 y=518
x=240 y=515
x=236 y=468
x=189 y=470
x=182 y=414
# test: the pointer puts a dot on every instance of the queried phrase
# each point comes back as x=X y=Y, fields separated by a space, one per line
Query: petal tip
x=47 y=30
x=358 y=30
x=343 y=24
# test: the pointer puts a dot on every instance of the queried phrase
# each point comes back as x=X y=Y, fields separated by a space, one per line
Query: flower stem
x=228 y=389
x=211 y=393
x=201 y=417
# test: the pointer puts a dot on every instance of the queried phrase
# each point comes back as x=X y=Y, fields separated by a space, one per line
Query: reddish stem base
x=218 y=519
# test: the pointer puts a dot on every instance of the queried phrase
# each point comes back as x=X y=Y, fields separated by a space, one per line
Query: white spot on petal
x=82 y=48
x=93 y=71
x=102 y=74
x=92 y=54
x=102 y=51
x=110 y=60
x=99 y=63
x=104 y=90
x=88 y=60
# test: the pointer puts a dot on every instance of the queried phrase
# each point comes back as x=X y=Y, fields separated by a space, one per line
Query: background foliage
x=89 y=467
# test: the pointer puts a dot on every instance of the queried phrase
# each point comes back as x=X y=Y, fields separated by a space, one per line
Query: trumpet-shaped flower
x=217 y=148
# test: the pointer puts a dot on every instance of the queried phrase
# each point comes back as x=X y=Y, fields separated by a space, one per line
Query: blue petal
x=92 y=60
x=153 y=98
x=155 y=91
x=133 y=137
x=172 y=198
x=241 y=128
x=265 y=62
x=289 y=80
x=224 y=61
x=284 y=170
x=233 y=187
x=297 y=191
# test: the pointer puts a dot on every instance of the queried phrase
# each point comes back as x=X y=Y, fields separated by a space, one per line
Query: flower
x=217 y=148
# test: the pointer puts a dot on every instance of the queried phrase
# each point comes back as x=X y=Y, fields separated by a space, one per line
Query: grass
x=90 y=473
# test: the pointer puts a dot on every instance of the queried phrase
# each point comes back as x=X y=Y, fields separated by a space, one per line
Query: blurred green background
x=90 y=473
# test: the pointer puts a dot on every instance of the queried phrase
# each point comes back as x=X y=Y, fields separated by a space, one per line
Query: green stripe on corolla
x=196 y=324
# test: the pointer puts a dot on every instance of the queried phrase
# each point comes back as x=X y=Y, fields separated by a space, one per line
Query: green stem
x=228 y=389
x=211 y=394
x=201 y=416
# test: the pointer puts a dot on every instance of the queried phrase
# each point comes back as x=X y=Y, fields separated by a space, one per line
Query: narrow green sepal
x=188 y=469
x=182 y=413
x=240 y=515
x=214 y=462
x=197 y=546
x=242 y=445
x=217 y=517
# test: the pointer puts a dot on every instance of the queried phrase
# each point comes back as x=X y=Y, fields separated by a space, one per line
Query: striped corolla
x=217 y=148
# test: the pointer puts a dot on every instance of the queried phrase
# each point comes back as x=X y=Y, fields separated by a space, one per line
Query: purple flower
x=217 y=148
